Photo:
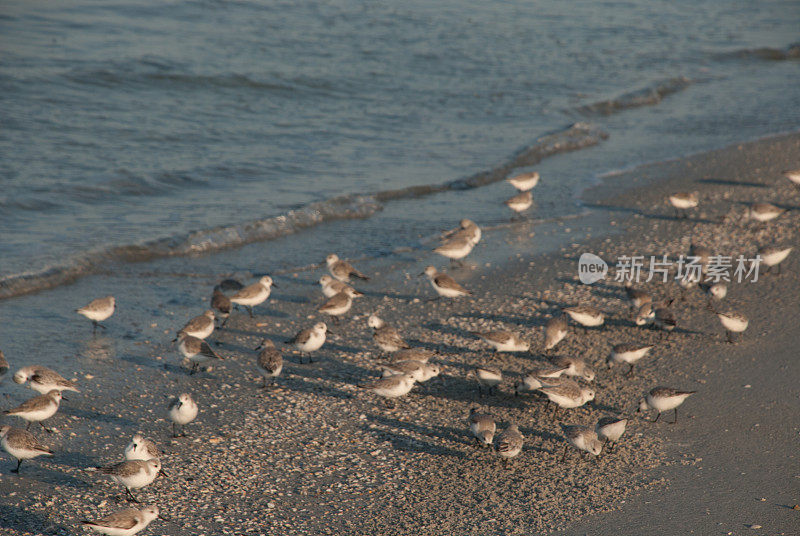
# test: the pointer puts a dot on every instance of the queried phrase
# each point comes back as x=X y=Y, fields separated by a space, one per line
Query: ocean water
x=134 y=129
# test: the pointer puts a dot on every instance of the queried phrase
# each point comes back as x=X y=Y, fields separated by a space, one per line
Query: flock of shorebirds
x=564 y=381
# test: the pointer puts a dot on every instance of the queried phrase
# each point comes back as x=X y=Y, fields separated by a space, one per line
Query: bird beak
x=420 y=275
x=64 y=398
x=163 y=473
x=259 y=347
x=330 y=332
x=274 y=284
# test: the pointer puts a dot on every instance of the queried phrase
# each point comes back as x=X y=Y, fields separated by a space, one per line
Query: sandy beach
x=318 y=455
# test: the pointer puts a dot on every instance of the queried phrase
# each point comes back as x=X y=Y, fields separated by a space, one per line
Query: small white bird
x=764 y=212
x=196 y=350
x=629 y=353
x=503 y=341
x=421 y=372
x=683 y=201
x=412 y=354
x=385 y=336
x=37 y=409
x=583 y=438
x=338 y=305
x=98 y=310
x=182 y=410
x=482 y=426
x=793 y=175
x=331 y=287
x=567 y=394
x=270 y=361
x=254 y=294
x=525 y=181
x=540 y=376
x=456 y=248
x=133 y=474
x=467 y=229
x=610 y=429
x=142 y=448
x=200 y=326
x=664 y=399
x=342 y=270
x=487 y=376
x=773 y=256
x=554 y=331
x=22 y=445
x=645 y=315
x=310 y=339
x=222 y=304
x=509 y=443
x=585 y=315
x=43 y=379
x=574 y=366
x=390 y=387
x=733 y=323
x=126 y=522
x=520 y=202
x=444 y=285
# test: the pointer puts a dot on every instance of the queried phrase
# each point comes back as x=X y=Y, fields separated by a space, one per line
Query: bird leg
x=657 y=416
x=676 y=416
x=19 y=462
x=46 y=429
x=564 y=457
x=630 y=370
x=250 y=310
x=130 y=495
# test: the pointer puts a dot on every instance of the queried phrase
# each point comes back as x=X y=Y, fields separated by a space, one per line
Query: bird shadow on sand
x=48 y=473
x=731 y=182
x=96 y=416
x=28 y=521
x=394 y=434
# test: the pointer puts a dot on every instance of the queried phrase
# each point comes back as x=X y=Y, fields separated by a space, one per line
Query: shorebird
x=509 y=443
x=444 y=285
x=554 y=331
x=390 y=387
x=421 y=372
x=222 y=304
x=37 y=409
x=585 y=315
x=342 y=270
x=545 y=375
x=385 y=336
x=715 y=291
x=764 y=212
x=467 y=229
x=503 y=341
x=181 y=411
x=43 y=379
x=567 y=394
x=338 y=305
x=773 y=256
x=196 y=350
x=525 y=181
x=310 y=340
x=665 y=319
x=21 y=445
x=254 y=294
x=610 y=429
x=793 y=175
x=583 y=438
x=133 y=474
x=456 y=248
x=629 y=353
x=645 y=315
x=3 y=366
x=487 y=376
x=97 y=311
x=269 y=361
x=733 y=323
x=683 y=201
x=520 y=202
x=664 y=399
x=636 y=297
x=200 y=326
x=574 y=366
x=412 y=354
x=482 y=426
x=230 y=285
x=126 y=522
x=331 y=287
x=142 y=448
x=699 y=254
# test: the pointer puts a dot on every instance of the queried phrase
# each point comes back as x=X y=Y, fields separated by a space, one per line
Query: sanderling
x=665 y=319
x=540 y=376
x=610 y=429
x=412 y=354
x=21 y=445
x=509 y=443
x=270 y=361
x=97 y=311
x=182 y=410
x=482 y=426
x=126 y=522
x=142 y=448
x=645 y=315
x=636 y=297
x=574 y=366
x=222 y=304
x=310 y=339
x=444 y=285
x=331 y=287
x=715 y=291
x=196 y=350
x=764 y=212
x=390 y=387
x=3 y=366
x=200 y=326
x=385 y=336
x=793 y=175
x=583 y=438
x=585 y=315
x=773 y=256
x=683 y=201
x=503 y=341
x=554 y=331
x=37 y=409
x=629 y=353
x=664 y=399
x=567 y=394
x=520 y=202
x=421 y=372
x=342 y=270
x=43 y=379
x=254 y=294
x=733 y=323
x=455 y=248
x=487 y=376
x=133 y=474
x=468 y=229
x=230 y=285
x=525 y=181
x=701 y=255
x=338 y=305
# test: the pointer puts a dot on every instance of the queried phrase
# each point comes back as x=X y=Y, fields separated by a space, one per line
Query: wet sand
x=318 y=455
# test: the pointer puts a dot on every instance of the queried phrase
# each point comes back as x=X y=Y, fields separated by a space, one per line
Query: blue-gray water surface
x=136 y=129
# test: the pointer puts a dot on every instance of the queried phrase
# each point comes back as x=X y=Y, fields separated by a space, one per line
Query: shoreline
x=412 y=468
